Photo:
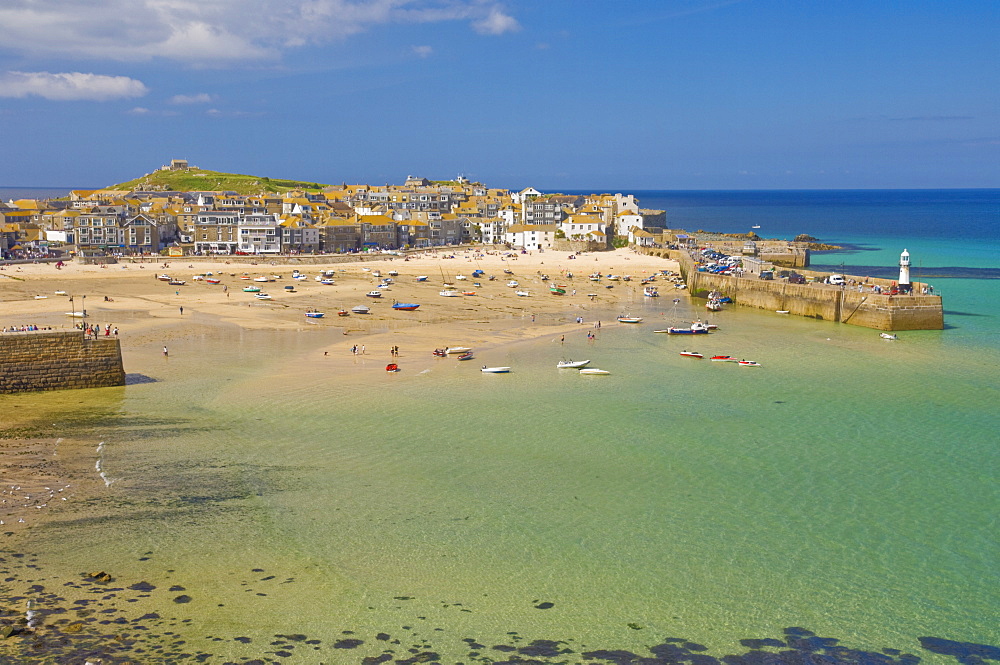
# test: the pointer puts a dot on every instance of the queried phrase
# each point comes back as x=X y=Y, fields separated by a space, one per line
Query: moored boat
x=343 y=312
x=691 y=354
x=523 y=294
x=556 y=290
x=177 y=282
x=513 y=284
x=572 y=364
x=262 y=296
x=888 y=335
x=448 y=293
x=251 y=289
x=360 y=309
x=315 y=315
x=713 y=305
x=466 y=356
x=457 y=349
x=723 y=359
x=749 y=363
x=213 y=280
x=405 y=306
x=392 y=367
x=594 y=371
x=374 y=294
x=650 y=292
x=629 y=319
x=495 y=370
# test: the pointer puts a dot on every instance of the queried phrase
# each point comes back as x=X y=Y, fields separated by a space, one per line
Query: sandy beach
x=150 y=314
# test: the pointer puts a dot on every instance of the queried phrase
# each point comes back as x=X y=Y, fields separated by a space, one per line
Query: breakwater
x=879 y=311
x=46 y=360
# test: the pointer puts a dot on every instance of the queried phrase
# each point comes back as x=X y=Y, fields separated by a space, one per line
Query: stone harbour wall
x=45 y=360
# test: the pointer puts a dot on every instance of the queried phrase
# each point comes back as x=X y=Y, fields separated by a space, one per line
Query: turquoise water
x=847 y=486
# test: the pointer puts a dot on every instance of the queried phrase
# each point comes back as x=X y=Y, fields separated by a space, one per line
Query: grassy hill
x=202 y=180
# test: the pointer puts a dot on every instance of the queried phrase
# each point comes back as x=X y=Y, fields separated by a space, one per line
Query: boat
x=422 y=278
x=629 y=319
x=343 y=312
x=251 y=289
x=495 y=370
x=213 y=280
x=41 y=297
x=466 y=356
x=327 y=282
x=468 y=293
x=755 y=226
x=713 y=305
x=262 y=296
x=888 y=335
x=513 y=284
x=405 y=306
x=691 y=354
x=461 y=277
x=457 y=349
x=290 y=288
x=78 y=315
x=262 y=279
x=392 y=367
x=360 y=309
x=781 y=311
x=508 y=271
x=749 y=363
x=572 y=364
x=393 y=273
x=594 y=370
x=697 y=328
x=523 y=294
x=440 y=353
x=315 y=315
x=374 y=294
x=723 y=359
x=448 y=293
x=650 y=292
x=163 y=278
x=556 y=290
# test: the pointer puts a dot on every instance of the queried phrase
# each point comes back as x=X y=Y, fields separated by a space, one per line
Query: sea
x=836 y=504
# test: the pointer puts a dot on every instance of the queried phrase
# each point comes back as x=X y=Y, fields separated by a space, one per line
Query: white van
x=836 y=280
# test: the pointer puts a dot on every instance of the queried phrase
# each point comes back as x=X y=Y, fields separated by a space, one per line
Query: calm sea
x=840 y=499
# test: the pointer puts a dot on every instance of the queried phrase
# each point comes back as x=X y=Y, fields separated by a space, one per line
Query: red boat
x=440 y=353
x=466 y=356
x=691 y=354
x=392 y=367
x=724 y=359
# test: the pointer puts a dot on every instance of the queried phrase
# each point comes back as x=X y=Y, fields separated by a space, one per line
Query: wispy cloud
x=70 y=86
x=218 y=31
x=423 y=51
x=200 y=98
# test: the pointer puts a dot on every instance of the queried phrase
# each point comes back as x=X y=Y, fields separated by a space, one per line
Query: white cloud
x=200 y=98
x=217 y=31
x=423 y=51
x=69 y=86
x=496 y=23
x=139 y=110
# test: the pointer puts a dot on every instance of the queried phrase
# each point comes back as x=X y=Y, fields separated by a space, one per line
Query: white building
x=531 y=236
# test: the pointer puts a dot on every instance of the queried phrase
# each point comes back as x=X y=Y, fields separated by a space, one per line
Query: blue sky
x=558 y=94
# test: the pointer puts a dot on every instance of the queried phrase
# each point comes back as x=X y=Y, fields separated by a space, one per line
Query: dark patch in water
x=135 y=379
x=183 y=598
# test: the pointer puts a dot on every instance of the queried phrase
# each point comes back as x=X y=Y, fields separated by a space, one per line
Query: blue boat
x=405 y=306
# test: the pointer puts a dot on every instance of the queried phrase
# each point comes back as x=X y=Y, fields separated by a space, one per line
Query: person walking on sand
x=182 y=311
x=165 y=354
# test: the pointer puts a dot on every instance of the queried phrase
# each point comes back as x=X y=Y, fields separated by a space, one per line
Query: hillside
x=202 y=180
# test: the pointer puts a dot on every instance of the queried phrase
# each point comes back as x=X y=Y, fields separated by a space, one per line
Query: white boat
x=513 y=284
x=523 y=294
x=374 y=294
x=327 y=282
x=421 y=278
x=495 y=370
x=748 y=363
x=262 y=279
x=41 y=297
x=393 y=273
x=360 y=309
x=594 y=370
x=262 y=296
x=755 y=226
x=650 y=292
x=629 y=319
x=78 y=315
x=781 y=311
x=461 y=277
x=572 y=364
x=888 y=335
x=61 y=293
x=713 y=305
x=448 y=293
x=163 y=278
x=457 y=349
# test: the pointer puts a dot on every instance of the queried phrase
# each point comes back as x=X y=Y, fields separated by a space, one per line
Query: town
x=338 y=219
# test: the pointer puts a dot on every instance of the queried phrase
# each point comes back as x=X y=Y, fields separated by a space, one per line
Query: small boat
x=448 y=293
x=755 y=226
x=360 y=309
x=557 y=291
x=327 y=282
x=468 y=293
x=177 y=282
x=392 y=367
x=315 y=315
x=748 y=363
x=393 y=273
x=691 y=354
x=163 y=278
x=781 y=311
x=457 y=349
x=405 y=306
x=61 y=293
x=629 y=319
x=594 y=370
x=213 y=280
x=374 y=294
x=41 y=297
x=244 y=276
x=262 y=279
x=461 y=277
x=495 y=370
x=713 y=305
x=251 y=289
x=650 y=292
x=262 y=296
x=572 y=364
x=697 y=328
x=513 y=284
x=508 y=271
x=466 y=356
x=343 y=312
x=523 y=294
x=422 y=278
x=78 y=315
x=723 y=359
x=290 y=288
x=440 y=353
x=888 y=335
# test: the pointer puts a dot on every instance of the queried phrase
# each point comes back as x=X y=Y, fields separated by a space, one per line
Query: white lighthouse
x=904 y=272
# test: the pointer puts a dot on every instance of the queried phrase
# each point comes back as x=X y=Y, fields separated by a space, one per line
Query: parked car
x=767 y=274
x=796 y=278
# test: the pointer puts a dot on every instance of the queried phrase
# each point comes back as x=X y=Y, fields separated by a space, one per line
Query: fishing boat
x=393 y=273
x=457 y=349
x=251 y=289
x=697 y=328
x=556 y=290
x=374 y=294
x=629 y=319
x=392 y=367
x=572 y=364
x=888 y=335
x=594 y=370
x=262 y=296
x=691 y=354
x=360 y=309
x=213 y=280
x=422 y=278
x=466 y=356
x=723 y=359
x=650 y=292
x=343 y=312
x=315 y=315
x=523 y=294
x=513 y=284
x=405 y=306
x=495 y=370
x=713 y=305
x=749 y=363
x=448 y=293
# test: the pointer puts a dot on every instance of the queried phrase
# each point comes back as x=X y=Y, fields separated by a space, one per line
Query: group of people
x=24 y=328
x=95 y=331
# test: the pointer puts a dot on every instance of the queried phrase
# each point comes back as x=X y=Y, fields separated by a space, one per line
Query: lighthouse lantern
x=904 y=273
